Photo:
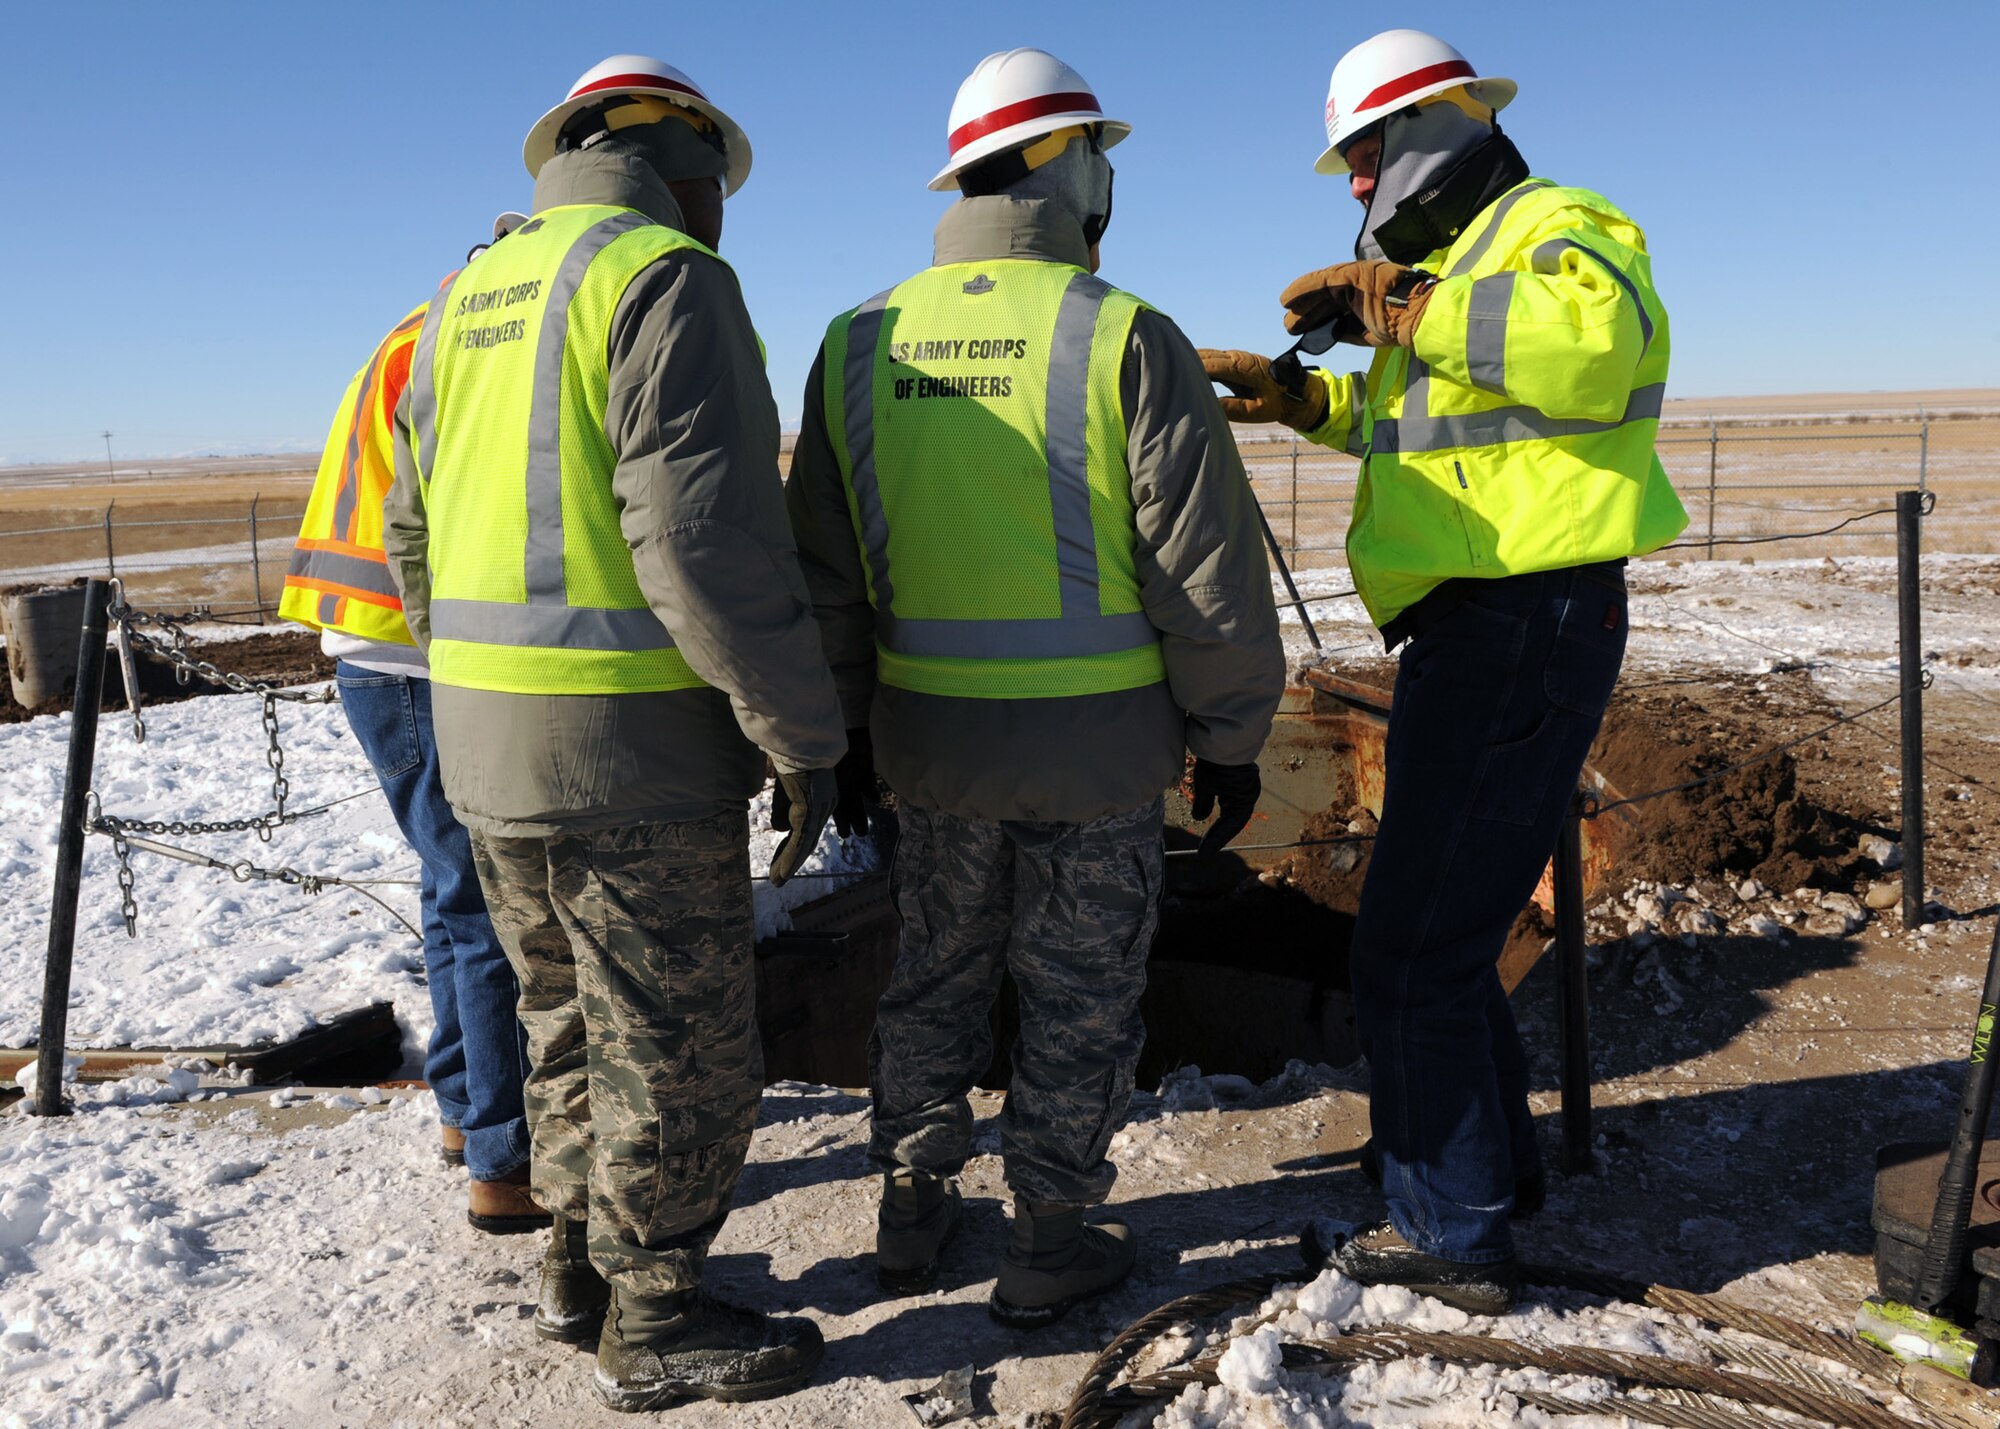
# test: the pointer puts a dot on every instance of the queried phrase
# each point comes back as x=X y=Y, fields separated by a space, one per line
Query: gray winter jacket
x=1203 y=577
x=690 y=418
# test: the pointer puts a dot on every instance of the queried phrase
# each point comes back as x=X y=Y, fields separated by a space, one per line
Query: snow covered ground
x=261 y=1257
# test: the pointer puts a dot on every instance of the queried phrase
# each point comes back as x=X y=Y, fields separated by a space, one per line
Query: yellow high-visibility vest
x=532 y=584
x=339 y=577
x=976 y=417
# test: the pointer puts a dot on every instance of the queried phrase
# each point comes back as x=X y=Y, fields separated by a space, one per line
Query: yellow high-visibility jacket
x=1518 y=434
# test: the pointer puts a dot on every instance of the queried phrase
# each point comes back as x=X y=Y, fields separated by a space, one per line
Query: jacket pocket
x=1466 y=518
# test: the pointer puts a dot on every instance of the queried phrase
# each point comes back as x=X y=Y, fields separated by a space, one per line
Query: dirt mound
x=1751 y=822
x=284 y=657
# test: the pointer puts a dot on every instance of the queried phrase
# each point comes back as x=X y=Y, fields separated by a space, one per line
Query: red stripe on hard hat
x=1416 y=79
x=1008 y=115
x=635 y=81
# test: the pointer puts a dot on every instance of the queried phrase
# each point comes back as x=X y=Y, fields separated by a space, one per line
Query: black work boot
x=919 y=1214
x=1378 y=1255
x=1054 y=1260
x=1531 y=1192
x=688 y=1345
x=574 y=1295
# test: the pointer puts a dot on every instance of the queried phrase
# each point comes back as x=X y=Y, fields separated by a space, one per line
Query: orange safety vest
x=339 y=577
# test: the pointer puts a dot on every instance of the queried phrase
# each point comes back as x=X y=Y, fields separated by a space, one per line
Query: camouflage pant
x=633 y=947
x=1070 y=910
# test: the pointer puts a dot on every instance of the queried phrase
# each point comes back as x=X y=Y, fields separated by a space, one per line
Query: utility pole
x=109 y=470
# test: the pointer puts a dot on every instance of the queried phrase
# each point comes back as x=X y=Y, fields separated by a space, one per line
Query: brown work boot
x=919 y=1213
x=656 y=1349
x=454 y=1146
x=574 y=1295
x=503 y=1206
x=1054 y=1260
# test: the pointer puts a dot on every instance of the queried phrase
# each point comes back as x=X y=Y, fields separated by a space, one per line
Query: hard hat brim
x=1495 y=93
x=540 y=145
x=1001 y=140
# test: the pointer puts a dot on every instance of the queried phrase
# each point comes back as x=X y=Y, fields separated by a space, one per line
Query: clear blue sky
x=214 y=211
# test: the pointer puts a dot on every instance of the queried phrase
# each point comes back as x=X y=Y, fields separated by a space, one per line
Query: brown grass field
x=1779 y=465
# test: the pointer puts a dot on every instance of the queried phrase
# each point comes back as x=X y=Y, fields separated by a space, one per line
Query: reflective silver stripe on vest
x=1478 y=249
x=423 y=383
x=1028 y=639
x=1548 y=259
x=349 y=494
x=569 y=627
x=1503 y=424
x=329 y=609
x=857 y=388
x=1357 y=407
x=1486 y=330
x=544 y=557
x=353 y=572
x=1068 y=448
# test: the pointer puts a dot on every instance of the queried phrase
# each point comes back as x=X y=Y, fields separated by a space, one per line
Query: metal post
x=1295 y=496
x=1573 y=997
x=110 y=556
x=69 y=853
x=256 y=570
x=1924 y=455
x=1714 y=447
x=1910 y=658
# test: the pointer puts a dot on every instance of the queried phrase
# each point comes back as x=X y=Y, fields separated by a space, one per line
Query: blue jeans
x=478 y=1055
x=1496 y=706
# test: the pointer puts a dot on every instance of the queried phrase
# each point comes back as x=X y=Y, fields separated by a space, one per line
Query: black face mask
x=1433 y=219
x=1094 y=226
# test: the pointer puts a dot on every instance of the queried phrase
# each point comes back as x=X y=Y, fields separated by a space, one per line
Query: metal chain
x=174 y=650
x=128 y=904
x=274 y=756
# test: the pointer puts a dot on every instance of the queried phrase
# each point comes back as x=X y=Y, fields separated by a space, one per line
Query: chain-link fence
x=231 y=558
x=1742 y=485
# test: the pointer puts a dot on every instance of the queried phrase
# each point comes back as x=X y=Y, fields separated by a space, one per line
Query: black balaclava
x=1439 y=168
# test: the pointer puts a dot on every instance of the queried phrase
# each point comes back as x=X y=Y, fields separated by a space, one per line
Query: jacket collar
x=607 y=173
x=996 y=226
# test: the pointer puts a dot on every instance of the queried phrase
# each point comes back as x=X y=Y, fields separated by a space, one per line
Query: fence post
x=110 y=556
x=1714 y=446
x=69 y=854
x=1573 y=995
x=1910 y=660
x=1295 y=498
x=1924 y=454
x=256 y=570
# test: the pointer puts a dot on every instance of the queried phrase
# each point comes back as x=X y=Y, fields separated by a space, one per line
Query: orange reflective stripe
x=322 y=586
x=382 y=384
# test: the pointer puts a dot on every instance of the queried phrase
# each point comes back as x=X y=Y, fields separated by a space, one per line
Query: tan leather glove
x=1387 y=297
x=1259 y=397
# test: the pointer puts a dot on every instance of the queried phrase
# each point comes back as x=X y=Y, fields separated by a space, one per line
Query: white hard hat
x=636 y=74
x=1396 y=68
x=1013 y=98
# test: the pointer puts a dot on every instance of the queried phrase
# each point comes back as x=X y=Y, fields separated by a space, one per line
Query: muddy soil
x=284 y=657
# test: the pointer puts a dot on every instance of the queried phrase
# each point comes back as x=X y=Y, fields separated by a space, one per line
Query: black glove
x=855 y=777
x=1236 y=787
x=808 y=797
